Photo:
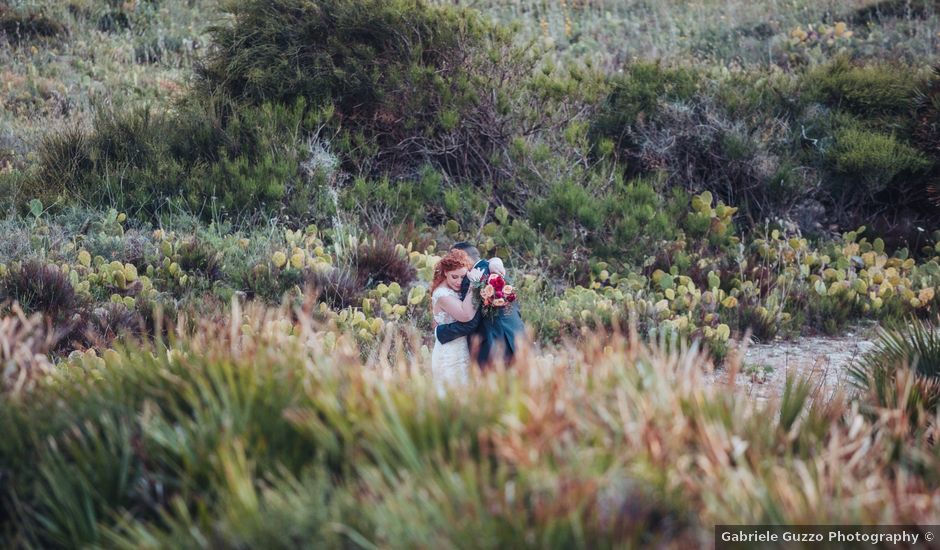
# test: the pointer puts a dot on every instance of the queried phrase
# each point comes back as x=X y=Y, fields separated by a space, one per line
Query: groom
x=500 y=332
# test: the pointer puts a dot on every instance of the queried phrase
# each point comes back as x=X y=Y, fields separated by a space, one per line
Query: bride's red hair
x=455 y=259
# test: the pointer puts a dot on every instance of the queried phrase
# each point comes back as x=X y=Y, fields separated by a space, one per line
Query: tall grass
x=265 y=431
x=903 y=370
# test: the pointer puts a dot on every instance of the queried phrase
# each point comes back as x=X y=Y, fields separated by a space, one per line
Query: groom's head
x=469 y=249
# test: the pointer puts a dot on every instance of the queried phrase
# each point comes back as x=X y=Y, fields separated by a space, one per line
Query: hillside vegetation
x=194 y=189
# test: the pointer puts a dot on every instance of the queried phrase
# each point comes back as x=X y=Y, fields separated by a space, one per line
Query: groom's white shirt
x=474 y=267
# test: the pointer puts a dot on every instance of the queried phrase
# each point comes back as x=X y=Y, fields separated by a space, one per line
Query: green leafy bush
x=635 y=98
x=872 y=134
x=383 y=201
x=407 y=82
x=643 y=218
x=729 y=135
x=830 y=313
x=567 y=205
x=874 y=160
x=869 y=90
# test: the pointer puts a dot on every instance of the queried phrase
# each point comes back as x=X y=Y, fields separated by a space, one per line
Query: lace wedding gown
x=450 y=362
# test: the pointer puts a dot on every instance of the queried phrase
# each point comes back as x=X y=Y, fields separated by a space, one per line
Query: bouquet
x=496 y=295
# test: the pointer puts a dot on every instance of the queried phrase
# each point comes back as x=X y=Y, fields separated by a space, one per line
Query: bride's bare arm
x=461 y=310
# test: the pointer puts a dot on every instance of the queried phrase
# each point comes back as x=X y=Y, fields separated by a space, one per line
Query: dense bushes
x=421 y=198
x=392 y=110
x=382 y=113
x=213 y=160
x=624 y=221
x=405 y=83
x=241 y=433
x=871 y=90
x=872 y=146
x=873 y=161
x=394 y=90
x=699 y=132
x=634 y=98
x=857 y=139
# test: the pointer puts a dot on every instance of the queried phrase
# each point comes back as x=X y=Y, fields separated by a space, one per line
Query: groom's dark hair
x=470 y=250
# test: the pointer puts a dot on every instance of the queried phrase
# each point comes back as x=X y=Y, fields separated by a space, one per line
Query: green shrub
x=211 y=160
x=911 y=348
x=383 y=202
x=761 y=324
x=155 y=49
x=624 y=222
x=643 y=218
x=568 y=204
x=199 y=257
x=13 y=187
x=700 y=136
x=635 y=98
x=868 y=90
x=261 y=281
x=873 y=159
x=830 y=313
x=757 y=95
x=408 y=82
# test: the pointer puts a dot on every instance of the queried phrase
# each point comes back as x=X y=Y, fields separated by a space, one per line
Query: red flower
x=497 y=282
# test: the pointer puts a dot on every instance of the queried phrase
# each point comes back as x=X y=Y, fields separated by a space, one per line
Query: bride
x=450 y=362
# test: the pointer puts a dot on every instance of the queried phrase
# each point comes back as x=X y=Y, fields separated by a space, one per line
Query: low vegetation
x=117 y=449
x=220 y=223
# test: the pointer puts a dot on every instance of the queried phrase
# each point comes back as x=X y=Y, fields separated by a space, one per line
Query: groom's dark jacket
x=500 y=331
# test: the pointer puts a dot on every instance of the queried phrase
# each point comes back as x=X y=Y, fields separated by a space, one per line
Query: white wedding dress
x=450 y=362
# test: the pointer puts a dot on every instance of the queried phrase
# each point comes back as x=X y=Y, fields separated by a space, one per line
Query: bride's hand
x=475 y=275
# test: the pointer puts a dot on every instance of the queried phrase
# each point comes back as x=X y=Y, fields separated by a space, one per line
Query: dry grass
x=50 y=83
x=610 y=442
x=24 y=347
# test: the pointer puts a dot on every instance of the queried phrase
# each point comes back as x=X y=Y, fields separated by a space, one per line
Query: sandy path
x=823 y=358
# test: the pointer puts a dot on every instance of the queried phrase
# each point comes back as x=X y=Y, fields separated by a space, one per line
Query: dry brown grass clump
x=285 y=434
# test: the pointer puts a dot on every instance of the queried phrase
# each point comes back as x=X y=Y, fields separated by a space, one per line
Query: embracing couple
x=459 y=323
